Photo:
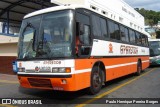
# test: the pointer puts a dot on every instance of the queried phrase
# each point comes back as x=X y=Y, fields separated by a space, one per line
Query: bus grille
x=36 y=82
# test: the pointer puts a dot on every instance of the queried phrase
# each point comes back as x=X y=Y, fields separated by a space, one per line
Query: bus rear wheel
x=139 y=68
x=96 y=80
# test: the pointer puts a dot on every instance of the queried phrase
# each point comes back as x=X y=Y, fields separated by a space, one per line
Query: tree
x=151 y=17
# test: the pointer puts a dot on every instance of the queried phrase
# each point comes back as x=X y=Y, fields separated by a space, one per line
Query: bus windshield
x=154 y=48
x=47 y=36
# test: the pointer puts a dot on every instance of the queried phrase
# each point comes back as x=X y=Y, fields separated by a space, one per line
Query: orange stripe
x=88 y=63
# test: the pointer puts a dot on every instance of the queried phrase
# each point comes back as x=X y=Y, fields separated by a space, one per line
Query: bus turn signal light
x=68 y=70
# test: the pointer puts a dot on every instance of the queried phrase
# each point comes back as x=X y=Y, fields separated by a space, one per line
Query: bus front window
x=53 y=37
x=154 y=48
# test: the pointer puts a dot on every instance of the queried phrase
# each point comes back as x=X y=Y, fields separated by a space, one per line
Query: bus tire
x=96 y=80
x=139 y=68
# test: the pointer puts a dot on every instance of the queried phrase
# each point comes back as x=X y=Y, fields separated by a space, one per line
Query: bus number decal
x=52 y=62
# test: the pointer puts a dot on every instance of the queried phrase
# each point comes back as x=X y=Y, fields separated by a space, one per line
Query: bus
x=154 y=51
x=73 y=47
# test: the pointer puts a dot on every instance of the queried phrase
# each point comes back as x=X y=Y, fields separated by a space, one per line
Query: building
x=8 y=53
x=11 y=15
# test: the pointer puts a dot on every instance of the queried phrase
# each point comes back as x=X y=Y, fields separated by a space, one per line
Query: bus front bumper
x=49 y=82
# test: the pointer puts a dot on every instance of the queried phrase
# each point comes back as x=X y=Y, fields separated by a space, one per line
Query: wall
x=6 y=64
x=8 y=49
x=8 y=53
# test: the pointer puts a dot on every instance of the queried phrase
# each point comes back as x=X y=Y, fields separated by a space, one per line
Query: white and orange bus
x=74 y=47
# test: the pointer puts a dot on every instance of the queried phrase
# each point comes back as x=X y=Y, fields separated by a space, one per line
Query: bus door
x=83 y=35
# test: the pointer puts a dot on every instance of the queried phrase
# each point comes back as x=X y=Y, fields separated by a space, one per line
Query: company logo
x=110 y=48
x=43 y=69
x=124 y=49
x=6 y=101
x=36 y=69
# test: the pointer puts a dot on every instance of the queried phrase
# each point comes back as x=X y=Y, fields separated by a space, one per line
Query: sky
x=146 y=4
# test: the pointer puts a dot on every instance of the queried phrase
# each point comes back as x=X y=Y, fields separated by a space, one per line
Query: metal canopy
x=13 y=11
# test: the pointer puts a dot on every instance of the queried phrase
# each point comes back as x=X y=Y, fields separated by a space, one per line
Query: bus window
x=111 y=29
x=138 y=38
x=96 y=26
x=84 y=38
x=143 y=40
x=82 y=18
x=124 y=34
x=103 y=27
x=114 y=30
x=82 y=23
x=117 y=31
x=147 y=44
x=127 y=34
x=132 y=36
x=82 y=35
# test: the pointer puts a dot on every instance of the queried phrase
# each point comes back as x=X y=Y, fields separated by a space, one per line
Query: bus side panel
x=83 y=69
x=115 y=67
x=145 y=64
x=130 y=67
x=82 y=80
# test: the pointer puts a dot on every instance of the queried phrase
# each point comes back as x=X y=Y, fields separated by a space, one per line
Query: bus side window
x=132 y=36
x=143 y=40
x=117 y=31
x=124 y=33
x=147 y=44
x=96 y=26
x=114 y=30
x=111 y=29
x=85 y=37
x=103 y=27
x=138 y=38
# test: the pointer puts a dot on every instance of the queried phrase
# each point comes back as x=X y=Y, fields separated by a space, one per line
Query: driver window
x=28 y=39
x=84 y=38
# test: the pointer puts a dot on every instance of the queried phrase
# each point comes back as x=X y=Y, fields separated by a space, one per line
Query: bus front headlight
x=61 y=70
x=55 y=70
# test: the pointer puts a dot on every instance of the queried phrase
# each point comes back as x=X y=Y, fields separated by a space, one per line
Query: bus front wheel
x=96 y=80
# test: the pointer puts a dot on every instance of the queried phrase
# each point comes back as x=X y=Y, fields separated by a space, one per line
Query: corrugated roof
x=18 y=8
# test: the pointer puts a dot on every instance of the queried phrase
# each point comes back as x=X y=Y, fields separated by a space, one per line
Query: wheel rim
x=97 y=80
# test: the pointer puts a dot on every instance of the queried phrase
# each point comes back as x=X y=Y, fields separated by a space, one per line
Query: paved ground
x=8 y=77
x=145 y=86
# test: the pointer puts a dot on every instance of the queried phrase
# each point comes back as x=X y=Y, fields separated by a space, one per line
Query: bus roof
x=51 y=9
